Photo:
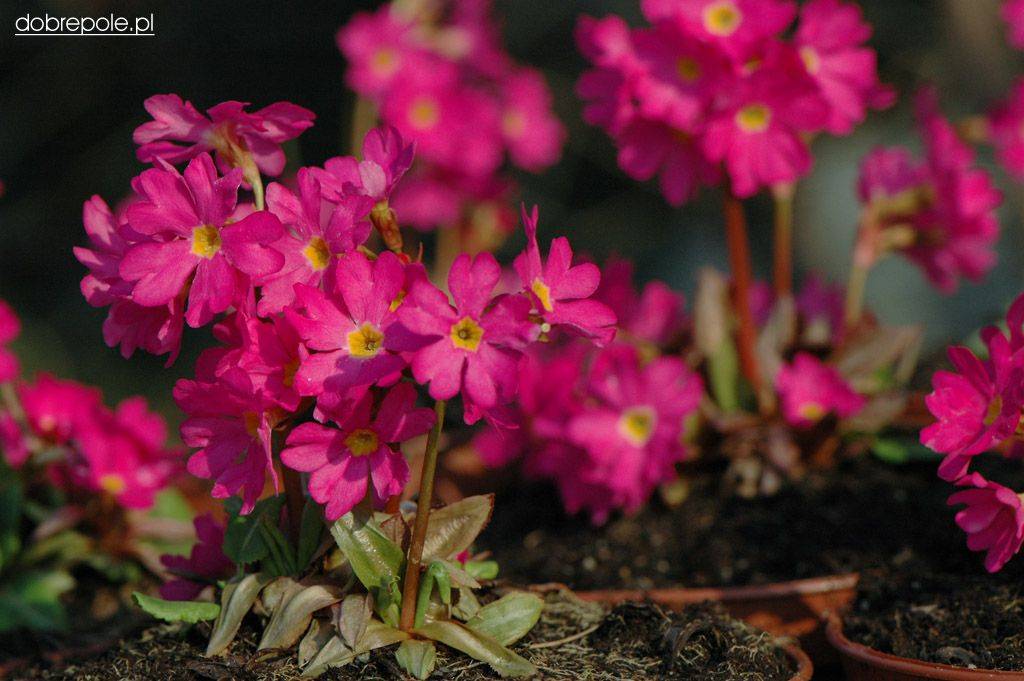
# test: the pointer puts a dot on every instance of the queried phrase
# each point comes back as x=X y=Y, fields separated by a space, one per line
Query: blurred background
x=68 y=106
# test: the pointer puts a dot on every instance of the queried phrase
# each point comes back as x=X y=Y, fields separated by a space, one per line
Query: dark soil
x=957 y=615
x=639 y=642
x=850 y=518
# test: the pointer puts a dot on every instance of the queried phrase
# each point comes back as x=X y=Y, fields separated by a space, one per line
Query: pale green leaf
x=375 y=559
x=453 y=528
x=236 y=600
x=295 y=611
x=177 y=611
x=417 y=658
x=478 y=646
x=509 y=618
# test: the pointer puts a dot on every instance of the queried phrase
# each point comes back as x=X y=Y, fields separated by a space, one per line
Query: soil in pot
x=573 y=640
x=852 y=517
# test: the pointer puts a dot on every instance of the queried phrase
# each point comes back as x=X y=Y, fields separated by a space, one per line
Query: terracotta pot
x=791 y=608
x=865 y=664
x=804 y=668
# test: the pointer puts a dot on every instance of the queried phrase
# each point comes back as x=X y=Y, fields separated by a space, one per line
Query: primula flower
x=1012 y=12
x=178 y=132
x=378 y=46
x=386 y=159
x=342 y=462
x=230 y=425
x=531 y=131
x=632 y=433
x=648 y=148
x=206 y=561
x=887 y=172
x=1006 y=129
x=10 y=328
x=352 y=327
x=976 y=408
x=188 y=219
x=55 y=409
x=830 y=39
x=820 y=306
x=471 y=347
x=654 y=315
x=810 y=390
x=736 y=26
x=319 y=232
x=993 y=519
x=271 y=355
x=562 y=292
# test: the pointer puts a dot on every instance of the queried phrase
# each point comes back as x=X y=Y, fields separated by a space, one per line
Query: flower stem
x=865 y=254
x=782 y=263
x=411 y=584
x=257 y=191
x=295 y=500
x=739 y=263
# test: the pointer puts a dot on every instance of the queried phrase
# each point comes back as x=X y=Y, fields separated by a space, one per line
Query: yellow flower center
x=811 y=411
x=317 y=253
x=205 y=241
x=362 y=442
x=112 y=483
x=424 y=113
x=811 y=59
x=722 y=18
x=366 y=341
x=688 y=69
x=397 y=302
x=543 y=293
x=995 y=408
x=513 y=123
x=754 y=118
x=467 y=334
x=637 y=425
x=384 y=62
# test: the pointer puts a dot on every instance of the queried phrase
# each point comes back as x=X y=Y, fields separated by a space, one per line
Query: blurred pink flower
x=532 y=133
x=810 y=390
x=206 y=562
x=1012 y=12
x=10 y=329
x=12 y=441
x=343 y=461
x=886 y=172
x=737 y=26
x=56 y=409
x=993 y=519
x=654 y=315
x=1006 y=127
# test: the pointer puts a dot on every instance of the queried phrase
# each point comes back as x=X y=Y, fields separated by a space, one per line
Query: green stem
x=410 y=586
x=782 y=263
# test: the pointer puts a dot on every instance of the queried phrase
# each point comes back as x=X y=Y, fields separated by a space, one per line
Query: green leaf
x=900 y=451
x=235 y=601
x=177 y=611
x=478 y=646
x=11 y=498
x=244 y=542
x=453 y=528
x=336 y=654
x=482 y=569
x=509 y=618
x=311 y=531
x=31 y=600
x=353 y=616
x=437 y=573
x=417 y=658
x=295 y=611
x=375 y=559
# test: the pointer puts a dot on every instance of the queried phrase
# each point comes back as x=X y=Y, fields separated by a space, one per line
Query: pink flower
x=10 y=328
x=12 y=441
x=319 y=232
x=386 y=158
x=343 y=461
x=993 y=519
x=123 y=454
x=1012 y=12
x=820 y=306
x=976 y=408
x=1006 y=129
x=230 y=426
x=178 y=132
x=887 y=172
x=270 y=353
x=187 y=218
x=351 y=328
x=379 y=46
x=55 y=409
x=648 y=148
x=205 y=564
x=632 y=432
x=737 y=26
x=531 y=131
x=759 y=135
x=830 y=36
x=471 y=347
x=103 y=285
x=810 y=390
x=655 y=315
x=560 y=291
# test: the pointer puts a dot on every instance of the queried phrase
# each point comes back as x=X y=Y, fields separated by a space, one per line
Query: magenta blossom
x=386 y=158
x=830 y=38
x=473 y=346
x=187 y=217
x=13 y=446
x=810 y=390
x=993 y=519
x=1006 y=130
x=820 y=306
x=55 y=409
x=1012 y=12
x=737 y=26
x=560 y=291
x=230 y=426
x=655 y=315
x=205 y=564
x=532 y=133
x=887 y=172
x=10 y=328
x=976 y=408
x=178 y=132
x=352 y=328
x=318 y=233
x=343 y=461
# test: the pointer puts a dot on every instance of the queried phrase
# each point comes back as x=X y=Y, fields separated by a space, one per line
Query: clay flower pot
x=794 y=608
x=804 y=668
x=865 y=664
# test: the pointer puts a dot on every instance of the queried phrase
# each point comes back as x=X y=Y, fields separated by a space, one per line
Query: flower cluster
x=441 y=77
x=978 y=407
x=606 y=424
x=713 y=84
x=939 y=212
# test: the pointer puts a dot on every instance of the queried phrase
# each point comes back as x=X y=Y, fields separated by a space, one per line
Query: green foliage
x=310 y=534
x=251 y=538
x=31 y=600
x=901 y=450
x=177 y=611
x=417 y=657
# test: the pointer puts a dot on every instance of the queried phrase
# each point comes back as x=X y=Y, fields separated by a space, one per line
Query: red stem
x=739 y=263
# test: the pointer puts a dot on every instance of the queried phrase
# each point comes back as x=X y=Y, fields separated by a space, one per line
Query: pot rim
x=905 y=665
x=804 y=666
x=773 y=590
